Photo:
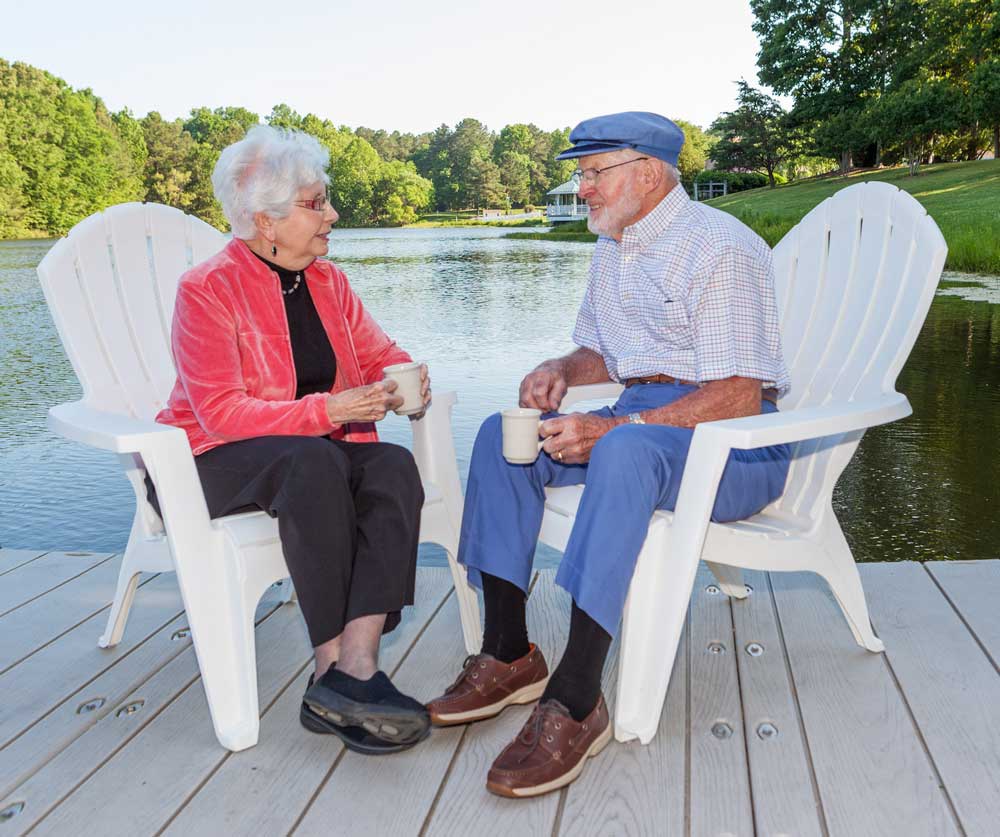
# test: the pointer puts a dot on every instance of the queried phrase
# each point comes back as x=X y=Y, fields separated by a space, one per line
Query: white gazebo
x=563 y=204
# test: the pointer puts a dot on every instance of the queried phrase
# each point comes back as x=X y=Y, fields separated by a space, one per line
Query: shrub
x=739 y=181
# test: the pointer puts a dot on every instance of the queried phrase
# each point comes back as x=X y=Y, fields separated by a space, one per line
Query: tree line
x=64 y=155
x=873 y=82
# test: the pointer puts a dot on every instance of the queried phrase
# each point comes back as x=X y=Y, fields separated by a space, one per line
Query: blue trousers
x=633 y=470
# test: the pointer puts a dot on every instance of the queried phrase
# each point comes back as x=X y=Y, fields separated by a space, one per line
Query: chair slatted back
x=110 y=286
x=854 y=281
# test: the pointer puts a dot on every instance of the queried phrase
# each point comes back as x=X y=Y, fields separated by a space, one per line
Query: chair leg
x=839 y=569
x=128 y=582
x=143 y=554
x=730 y=579
x=651 y=628
x=436 y=527
x=468 y=605
x=223 y=635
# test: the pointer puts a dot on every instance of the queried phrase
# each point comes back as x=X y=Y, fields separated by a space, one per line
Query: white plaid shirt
x=688 y=292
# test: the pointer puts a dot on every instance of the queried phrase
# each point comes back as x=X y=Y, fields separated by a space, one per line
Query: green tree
x=171 y=161
x=62 y=156
x=470 y=149
x=755 y=136
x=354 y=174
x=434 y=162
x=986 y=98
x=482 y=185
x=811 y=50
x=917 y=111
x=695 y=151
x=400 y=194
x=515 y=175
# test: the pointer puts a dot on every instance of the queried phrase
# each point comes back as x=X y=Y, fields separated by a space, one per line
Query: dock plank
x=37 y=623
x=143 y=765
x=873 y=775
x=974 y=588
x=636 y=790
x=928 y=648
x=355 y=792
x=42 y=693
x=35 y=578
x=720 y=783
x=464 y=803
x=11 y=559
x=781 y=774
x=240 y=796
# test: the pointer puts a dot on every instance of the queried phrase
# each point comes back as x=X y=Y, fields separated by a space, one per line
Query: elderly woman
x=279 y=383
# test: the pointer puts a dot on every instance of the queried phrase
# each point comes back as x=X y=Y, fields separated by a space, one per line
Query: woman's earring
x=274 y=250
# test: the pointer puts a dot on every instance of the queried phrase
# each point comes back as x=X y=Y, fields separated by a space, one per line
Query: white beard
x=615 y=217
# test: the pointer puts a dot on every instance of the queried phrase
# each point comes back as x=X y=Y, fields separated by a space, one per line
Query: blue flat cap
x=649 y=133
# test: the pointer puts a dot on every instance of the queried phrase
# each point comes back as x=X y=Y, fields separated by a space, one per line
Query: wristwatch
x=636 y=418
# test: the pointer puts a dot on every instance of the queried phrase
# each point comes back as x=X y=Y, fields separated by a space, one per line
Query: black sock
x=576 y=682
x=506 y=632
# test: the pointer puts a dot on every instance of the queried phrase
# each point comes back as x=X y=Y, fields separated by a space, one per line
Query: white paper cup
x=520 y=435
x=407 y=378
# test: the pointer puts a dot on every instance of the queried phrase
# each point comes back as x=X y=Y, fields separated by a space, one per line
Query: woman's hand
x=425 y=392
x=367 y=403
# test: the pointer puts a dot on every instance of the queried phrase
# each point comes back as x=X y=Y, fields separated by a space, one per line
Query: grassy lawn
x=963 y=198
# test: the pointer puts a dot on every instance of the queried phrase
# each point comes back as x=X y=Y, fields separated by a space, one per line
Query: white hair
x=264 y=172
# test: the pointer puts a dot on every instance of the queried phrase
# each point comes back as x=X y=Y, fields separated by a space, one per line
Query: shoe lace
x=468 y=664
x=531 y=733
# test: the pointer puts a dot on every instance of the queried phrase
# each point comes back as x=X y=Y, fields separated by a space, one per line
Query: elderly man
x=680 y=309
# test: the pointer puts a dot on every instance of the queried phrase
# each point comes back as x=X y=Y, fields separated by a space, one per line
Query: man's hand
x=544 y=388
x=569 y=439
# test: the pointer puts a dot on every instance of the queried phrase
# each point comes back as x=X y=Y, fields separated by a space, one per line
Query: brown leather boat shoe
x=549 y=751
x=486 y=686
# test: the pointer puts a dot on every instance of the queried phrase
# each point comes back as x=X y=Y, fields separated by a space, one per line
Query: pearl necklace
x=295 y=287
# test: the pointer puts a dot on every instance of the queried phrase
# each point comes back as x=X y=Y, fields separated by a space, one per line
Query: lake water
x=482 y=310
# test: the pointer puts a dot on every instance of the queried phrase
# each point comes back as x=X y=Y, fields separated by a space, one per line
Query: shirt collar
x=648 y=228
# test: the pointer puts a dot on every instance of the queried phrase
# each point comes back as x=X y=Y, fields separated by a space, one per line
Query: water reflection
x=481 y=310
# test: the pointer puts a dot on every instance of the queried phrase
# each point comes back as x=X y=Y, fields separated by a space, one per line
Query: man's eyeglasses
x=316 y=204
x=590 y=175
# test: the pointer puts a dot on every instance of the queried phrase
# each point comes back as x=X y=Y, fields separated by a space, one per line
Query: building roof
x=570 y=187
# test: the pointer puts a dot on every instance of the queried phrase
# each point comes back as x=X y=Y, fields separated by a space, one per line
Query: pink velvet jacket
x=235 y=372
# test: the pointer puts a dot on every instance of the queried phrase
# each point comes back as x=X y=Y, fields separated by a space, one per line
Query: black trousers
x=348 y=514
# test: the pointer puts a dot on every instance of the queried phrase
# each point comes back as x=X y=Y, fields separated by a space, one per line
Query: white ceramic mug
x=407 y=378
x=520 y=435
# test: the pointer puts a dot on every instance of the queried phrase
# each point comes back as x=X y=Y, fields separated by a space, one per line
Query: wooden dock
x=776 y=723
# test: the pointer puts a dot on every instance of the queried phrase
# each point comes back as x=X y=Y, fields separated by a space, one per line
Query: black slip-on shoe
x=355 y=738
x=390 y=717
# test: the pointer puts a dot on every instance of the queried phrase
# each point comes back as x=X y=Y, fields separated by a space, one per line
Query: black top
x=315 y=362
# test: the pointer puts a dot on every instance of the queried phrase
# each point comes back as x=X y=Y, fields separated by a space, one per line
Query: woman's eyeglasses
x=316 y=204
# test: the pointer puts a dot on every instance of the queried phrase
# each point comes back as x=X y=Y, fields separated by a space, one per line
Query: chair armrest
x=434 y=452
x=590 y=392
x=114 y=432
x=806 y=423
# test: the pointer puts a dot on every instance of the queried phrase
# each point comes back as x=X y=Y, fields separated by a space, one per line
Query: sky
x=407 y=65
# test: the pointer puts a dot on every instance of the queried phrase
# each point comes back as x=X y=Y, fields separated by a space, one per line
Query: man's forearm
x=582 y=366
x=716 y=400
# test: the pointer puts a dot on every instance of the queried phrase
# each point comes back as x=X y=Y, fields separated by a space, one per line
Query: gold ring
x=559 y=455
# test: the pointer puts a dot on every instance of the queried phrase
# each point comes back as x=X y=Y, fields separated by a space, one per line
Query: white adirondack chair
x=854 y=280
x=110 y=286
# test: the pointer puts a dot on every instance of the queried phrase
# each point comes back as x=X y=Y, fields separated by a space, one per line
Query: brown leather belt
x=769 y=394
